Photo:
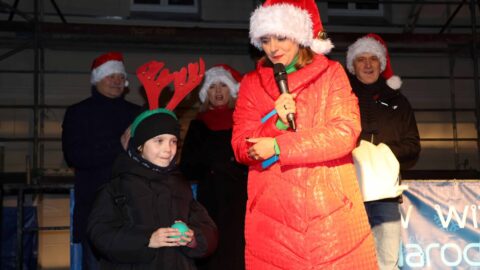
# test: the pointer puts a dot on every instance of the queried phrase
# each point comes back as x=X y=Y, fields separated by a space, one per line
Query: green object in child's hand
x=181 y=227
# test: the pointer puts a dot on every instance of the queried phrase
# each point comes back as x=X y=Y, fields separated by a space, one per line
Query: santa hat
x=221 y=73
x=107 y=64
x=374 y=44
x=297 y=20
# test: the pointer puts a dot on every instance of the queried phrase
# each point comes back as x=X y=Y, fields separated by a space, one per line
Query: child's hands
x=189 y=239
x=172 y=237
x=165 y=237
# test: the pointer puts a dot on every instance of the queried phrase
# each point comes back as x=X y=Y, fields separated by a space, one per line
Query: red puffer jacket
x=305 y=211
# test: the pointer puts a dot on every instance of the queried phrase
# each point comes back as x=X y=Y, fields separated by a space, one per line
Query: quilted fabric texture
x=305 y=211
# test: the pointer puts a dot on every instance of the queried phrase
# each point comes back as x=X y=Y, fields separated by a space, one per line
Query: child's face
x=160 y=150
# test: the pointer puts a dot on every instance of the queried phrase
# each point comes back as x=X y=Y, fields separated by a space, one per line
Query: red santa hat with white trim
x=374 y=44
x=295 y=19
x=221 y=73
x=107 y=64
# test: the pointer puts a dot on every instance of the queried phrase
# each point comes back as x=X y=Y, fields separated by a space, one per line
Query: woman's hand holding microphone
x=264 y=147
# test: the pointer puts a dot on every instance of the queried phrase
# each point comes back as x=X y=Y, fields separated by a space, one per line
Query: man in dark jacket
x=389 y=127
x=91 y=140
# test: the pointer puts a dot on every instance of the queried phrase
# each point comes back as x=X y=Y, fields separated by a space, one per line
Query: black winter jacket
x=204 y=147
x=90 y=142
x=121 y=222
x=387 y=117
x=207 y=156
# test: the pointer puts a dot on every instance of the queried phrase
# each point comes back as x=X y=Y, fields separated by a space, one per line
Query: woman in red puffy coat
x=304 y=208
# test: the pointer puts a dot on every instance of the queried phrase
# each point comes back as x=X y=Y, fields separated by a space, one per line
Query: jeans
x=384 y=218
x=89 y=261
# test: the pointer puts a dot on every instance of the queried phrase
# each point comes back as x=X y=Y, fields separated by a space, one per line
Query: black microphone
x=281 y=78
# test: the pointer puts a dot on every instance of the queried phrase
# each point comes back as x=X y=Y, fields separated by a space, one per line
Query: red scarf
x=219 y=118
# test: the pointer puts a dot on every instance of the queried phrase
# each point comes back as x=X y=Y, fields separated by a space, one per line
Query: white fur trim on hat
x=281 y=20
x=218 y=74
x=394 y=82
x=322 y=46
x=366 y=45
x=108 y=68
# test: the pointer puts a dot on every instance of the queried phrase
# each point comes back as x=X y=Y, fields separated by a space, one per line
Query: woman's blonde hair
x=305 y=57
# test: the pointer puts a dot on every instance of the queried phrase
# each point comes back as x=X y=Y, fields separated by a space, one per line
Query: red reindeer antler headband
x=155 y=78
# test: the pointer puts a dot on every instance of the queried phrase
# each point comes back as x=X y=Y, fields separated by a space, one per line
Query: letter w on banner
x=440 y=221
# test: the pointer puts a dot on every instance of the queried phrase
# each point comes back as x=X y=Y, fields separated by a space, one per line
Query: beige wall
x=54 y=245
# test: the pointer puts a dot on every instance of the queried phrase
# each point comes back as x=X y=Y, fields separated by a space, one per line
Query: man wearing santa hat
x=389 y=132
x=91 y=140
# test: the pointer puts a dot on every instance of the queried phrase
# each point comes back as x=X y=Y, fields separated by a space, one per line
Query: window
x=355 y=9
x=174 y=6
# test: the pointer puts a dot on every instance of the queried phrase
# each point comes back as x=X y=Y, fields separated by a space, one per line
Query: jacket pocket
x=329 y=194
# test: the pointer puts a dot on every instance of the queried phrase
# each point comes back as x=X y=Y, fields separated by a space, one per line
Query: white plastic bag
x=377 y=171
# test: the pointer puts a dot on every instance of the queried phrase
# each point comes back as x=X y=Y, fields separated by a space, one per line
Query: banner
x=440 y=221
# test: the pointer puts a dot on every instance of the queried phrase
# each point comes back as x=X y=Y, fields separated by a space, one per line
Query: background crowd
x=309 y=202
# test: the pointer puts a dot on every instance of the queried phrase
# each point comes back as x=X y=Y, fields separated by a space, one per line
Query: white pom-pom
x=322 y=46
x=394 y=82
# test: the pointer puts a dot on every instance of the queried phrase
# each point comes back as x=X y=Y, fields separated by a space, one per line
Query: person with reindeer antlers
x=129 y=225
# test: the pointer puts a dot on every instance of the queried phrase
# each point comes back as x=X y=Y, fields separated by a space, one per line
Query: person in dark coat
x=130 y=223
x=207 y=158
x=389 y=130
x=91 y=139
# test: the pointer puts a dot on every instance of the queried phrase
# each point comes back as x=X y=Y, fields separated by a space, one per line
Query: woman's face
x=160 y=150
x=279 y=49
x=218 y=94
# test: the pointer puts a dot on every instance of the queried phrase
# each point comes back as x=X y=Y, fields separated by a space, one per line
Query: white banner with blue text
x=440 y=225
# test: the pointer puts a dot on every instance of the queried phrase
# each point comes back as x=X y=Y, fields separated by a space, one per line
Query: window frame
x=163 y=6
x=353 y=11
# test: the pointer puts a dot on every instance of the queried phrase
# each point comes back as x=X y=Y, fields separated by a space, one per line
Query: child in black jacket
x=130 y=224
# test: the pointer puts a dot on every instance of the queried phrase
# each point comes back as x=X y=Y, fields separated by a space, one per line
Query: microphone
x=281 y=78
